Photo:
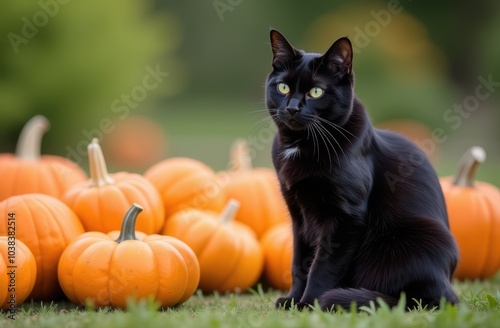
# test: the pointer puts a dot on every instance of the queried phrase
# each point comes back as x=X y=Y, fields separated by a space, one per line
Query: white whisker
x=324 y=137
x=328 y=133
x=338 y=128
x=315 y=142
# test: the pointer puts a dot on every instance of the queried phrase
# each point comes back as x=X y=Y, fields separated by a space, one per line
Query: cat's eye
x=316 y=92
x=283 y=88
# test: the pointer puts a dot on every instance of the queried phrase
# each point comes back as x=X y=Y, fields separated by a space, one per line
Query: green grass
x=480 y=308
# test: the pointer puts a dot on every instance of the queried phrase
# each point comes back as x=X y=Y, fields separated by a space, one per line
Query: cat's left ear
x=339 y=57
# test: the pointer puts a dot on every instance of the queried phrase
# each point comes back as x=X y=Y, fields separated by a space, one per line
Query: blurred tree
x=82 y=64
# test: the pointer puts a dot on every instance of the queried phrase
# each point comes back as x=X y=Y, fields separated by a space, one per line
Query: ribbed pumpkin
x=109 y=271
x=27 y=171
x=186 y=183
x=101 y=201
x=277 y=244
x=257 y=190
x=230 y=256
x=474 y=215
x=46 y=225
x=15 y=256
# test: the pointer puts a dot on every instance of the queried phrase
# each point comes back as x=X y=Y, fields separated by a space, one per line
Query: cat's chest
x=324 y=190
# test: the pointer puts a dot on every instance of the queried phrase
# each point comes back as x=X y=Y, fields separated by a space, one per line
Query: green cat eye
x=316 y=92
x=283 y=88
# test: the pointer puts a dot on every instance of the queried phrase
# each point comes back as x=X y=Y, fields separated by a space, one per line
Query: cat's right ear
x=283 y=52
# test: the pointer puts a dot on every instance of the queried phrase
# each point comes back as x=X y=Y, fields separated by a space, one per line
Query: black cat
x=369 y=217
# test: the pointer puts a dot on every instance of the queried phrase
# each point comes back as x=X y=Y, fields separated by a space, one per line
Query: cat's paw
x=285 y=303
x=304 y=306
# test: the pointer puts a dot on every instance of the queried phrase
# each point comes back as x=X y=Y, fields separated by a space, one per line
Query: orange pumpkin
x=257 y=190
x=277 y=244
x=17 y=270
x=229 y=254
x=474 y=215
x=27 y=171
x=186 y=183
x=135 y=142
x=109 y=271
x=46 y=225
x=101 y=201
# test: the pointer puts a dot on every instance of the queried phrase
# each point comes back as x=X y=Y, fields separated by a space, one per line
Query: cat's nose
x=293 y=107
x=293 y=110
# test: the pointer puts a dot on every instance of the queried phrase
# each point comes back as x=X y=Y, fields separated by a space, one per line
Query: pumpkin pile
x=81 y=239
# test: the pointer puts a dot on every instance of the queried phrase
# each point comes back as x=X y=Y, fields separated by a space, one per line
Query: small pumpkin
x=17 y=272
x=46 y=225
x=277 y=244
x=27 y=171
x=257 y=190
x=186 y=183
x=108 y=270
x=101 y=201
x=229 y=254
x=474 y=216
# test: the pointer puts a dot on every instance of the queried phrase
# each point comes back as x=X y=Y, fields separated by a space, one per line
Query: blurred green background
x=197 y=69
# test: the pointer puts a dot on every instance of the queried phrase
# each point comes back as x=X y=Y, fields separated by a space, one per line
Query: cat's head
x=307 y=88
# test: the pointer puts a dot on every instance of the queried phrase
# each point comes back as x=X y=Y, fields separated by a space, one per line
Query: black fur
x=369 y=217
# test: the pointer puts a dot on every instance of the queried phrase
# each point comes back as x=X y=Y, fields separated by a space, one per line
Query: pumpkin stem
x=240 y=160
x=97 y=165
x=30 y=139
x=229 y=212
x=468 y=165
x=127 y=231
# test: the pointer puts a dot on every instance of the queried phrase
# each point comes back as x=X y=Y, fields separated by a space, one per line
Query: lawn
x=254 y=309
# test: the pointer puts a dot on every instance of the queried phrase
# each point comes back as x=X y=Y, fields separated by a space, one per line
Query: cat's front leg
x=303 y=257
x=333 y=258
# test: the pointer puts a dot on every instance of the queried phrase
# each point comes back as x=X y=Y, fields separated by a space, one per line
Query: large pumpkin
x=230 y=256
x=27 y=171
x=186 y=183
x=257 y=190
x=277 y=244
x=46 y=225
x=109 y=269
x=474 y=215
x=17 y=270
x=101 y=201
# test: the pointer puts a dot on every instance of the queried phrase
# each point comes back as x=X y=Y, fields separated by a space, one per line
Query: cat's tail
x=344 y=297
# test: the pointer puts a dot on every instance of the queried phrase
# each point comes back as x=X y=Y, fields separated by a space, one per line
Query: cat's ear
x=283 y=51
x=339 y=57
